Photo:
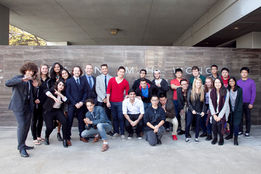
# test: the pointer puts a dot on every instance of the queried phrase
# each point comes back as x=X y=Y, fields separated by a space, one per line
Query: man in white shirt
x=133 y=111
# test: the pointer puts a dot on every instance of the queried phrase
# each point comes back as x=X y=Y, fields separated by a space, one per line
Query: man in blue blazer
x=22 y=103
x=76 y=92
x=90 y=83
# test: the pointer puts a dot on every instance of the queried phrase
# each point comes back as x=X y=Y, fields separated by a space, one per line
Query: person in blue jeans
x=97 y=124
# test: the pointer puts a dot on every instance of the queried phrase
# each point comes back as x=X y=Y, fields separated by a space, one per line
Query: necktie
x=105 y=82
x=90 y=81
x=78 y=81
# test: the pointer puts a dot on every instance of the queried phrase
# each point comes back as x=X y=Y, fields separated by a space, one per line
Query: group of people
x=106 y=105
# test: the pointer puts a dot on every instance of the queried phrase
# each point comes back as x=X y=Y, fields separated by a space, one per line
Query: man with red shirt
x=115 y=95
x=175 y=84
x=225 y=76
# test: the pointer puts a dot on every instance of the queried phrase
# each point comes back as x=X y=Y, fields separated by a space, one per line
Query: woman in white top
x=219 y=109
x=54 y=111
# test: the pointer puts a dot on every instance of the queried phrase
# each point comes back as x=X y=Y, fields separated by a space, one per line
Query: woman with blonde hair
x=196 y=107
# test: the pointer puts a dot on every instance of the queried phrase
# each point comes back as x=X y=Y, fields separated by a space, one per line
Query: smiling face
x=29 y=73
x=208 y=83
x=143 y=84
x=154 y=101
x=44 y=70
x=157 y=75
x=76 y=72
x=179 y=74
x=89 y=69
x=120 y=73
x=60 y=86
x=214 y=70
x=90 y=106
x=104 y=70
x=57 y=68
x=65 y=74
x=195 y=72
x=198 y=83
x=184 y=85
x=232 y=83
x=163 y=100
x=217 y=84
x=132 y=95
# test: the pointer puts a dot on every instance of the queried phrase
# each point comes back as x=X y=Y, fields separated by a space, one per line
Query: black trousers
x=37 y=123
x=247 y=113
x=216 y=128
x=56 y=114
x=139 y=126
x=23 y=120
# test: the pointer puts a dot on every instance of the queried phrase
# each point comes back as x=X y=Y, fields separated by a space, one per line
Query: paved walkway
x=132 y=156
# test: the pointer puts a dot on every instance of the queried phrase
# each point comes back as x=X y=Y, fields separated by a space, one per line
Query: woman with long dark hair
x=236 y=108
x=206 y=122
x=54 y=111
x=65 y=75
x=56 y=72
x=219 y=109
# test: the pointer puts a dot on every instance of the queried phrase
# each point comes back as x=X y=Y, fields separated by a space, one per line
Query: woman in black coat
x=236 y=109
x=53 y=107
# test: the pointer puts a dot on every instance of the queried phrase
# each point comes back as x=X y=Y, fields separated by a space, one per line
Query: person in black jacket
x=54 y=111
x=136 y=84
x=182 y=104
x=196 y=107
x=154 y=119
x=22 y=103
x=236 y=108
x=145 y=91
x=161 y=85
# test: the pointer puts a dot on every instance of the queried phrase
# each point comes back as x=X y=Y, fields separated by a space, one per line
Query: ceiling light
x=236 y=28
x=114 y=31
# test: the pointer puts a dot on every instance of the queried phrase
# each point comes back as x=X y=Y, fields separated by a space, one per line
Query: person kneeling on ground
x=133 y=111
x=97 y=124
x=168 y=107
x=154 y=119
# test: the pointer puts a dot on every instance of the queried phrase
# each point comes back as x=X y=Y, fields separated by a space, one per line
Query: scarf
x=225 y=82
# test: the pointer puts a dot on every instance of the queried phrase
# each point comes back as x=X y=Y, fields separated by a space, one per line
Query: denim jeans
x=117 y=117
x=102 y=129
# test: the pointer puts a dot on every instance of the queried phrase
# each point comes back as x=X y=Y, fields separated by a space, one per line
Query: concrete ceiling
x=226 y=37
x=81 y=22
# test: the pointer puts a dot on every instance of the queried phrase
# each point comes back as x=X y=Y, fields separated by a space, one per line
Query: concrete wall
x=134 y=58
x=4 y=25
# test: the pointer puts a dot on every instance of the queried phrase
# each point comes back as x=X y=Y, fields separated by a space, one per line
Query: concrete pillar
x=250 y=40
x=4 y=25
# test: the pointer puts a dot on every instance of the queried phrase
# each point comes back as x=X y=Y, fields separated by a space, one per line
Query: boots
x=209 y=137
x=46 y=141
x=236 y=140
x=221 y=140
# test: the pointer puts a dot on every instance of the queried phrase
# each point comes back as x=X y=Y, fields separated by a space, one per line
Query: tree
x=21 y=37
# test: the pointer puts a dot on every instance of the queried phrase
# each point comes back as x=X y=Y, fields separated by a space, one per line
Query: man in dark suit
x=76 y=92
x=22 y=103
x=90 y=83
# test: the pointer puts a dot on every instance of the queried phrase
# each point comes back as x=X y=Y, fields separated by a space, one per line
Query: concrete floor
x=132 y=156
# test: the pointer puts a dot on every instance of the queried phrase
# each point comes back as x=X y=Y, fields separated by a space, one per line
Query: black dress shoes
x=23 y=153
x=203 y=134
x=29 y=147
x=65 y=143
x=59 y=137
x=214 y=141
x=209 y=137
x=229 y=137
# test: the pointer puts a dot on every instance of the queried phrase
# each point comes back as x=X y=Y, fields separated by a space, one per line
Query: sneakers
x=196 y=140
x=240 y=133
x=247 y=134
x=187 y=140
x=139 y=138
x=122 y=136
x=130 y=136
x=174 y=137
x=115 y=135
